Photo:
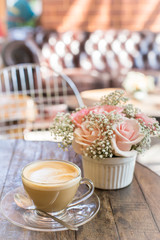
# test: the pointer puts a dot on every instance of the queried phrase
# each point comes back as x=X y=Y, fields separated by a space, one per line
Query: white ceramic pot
x=110 y=173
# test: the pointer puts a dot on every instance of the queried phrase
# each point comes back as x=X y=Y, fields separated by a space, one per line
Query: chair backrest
x=30 y=96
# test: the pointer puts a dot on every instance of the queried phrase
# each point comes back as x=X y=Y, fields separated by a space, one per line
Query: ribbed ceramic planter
x=110 y=173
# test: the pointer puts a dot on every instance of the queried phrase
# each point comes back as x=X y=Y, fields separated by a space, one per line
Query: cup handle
x=86 y=195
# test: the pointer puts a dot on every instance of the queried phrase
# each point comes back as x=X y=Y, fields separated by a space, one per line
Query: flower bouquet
x=108 y=136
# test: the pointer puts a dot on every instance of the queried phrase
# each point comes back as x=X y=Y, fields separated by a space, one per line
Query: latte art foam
x=50 y=172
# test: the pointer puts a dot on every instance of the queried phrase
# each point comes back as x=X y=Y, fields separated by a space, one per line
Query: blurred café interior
x=56 y=56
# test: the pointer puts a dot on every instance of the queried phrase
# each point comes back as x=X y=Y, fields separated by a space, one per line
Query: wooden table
x=132 y=213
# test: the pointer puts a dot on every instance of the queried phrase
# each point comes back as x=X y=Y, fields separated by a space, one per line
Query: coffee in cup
x=52 y=184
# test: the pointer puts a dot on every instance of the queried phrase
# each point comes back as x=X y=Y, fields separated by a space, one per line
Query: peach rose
x=84 y=136
x=147 y=120
x=127 y=134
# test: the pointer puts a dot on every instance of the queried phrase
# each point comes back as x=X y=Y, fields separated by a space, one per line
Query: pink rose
x=77 y=117
x=127 y=134
x=106 y=108
x=85 y=136
x=147 y=120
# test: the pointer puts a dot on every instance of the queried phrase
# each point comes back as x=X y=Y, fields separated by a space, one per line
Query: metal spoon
x=23 y=201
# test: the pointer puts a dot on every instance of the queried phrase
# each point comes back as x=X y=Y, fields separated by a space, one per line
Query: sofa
x=98 y=59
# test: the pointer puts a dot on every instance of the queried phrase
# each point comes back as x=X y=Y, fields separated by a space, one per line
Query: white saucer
x=28 y=219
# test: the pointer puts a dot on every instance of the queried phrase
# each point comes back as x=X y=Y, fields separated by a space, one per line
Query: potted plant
x=108 y=136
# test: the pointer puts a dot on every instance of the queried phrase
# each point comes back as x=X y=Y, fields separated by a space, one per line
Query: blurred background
x=87 y=15
x=99 y=44
x=101 y=36
x=127 y=37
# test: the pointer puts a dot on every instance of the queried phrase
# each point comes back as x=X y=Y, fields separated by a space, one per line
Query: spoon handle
x=67 y=225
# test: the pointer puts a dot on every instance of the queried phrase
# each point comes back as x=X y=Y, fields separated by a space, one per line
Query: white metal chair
x=30 y=96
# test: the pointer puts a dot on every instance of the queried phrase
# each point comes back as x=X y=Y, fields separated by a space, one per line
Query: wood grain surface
x=132 y=213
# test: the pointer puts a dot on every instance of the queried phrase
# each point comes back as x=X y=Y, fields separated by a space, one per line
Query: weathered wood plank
x=103 y=225
x=24 y=153
x=50 y=150
x=64 y=235
x=6 y=152
x=132 y=215
x=150 y=184
x=134 y=221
